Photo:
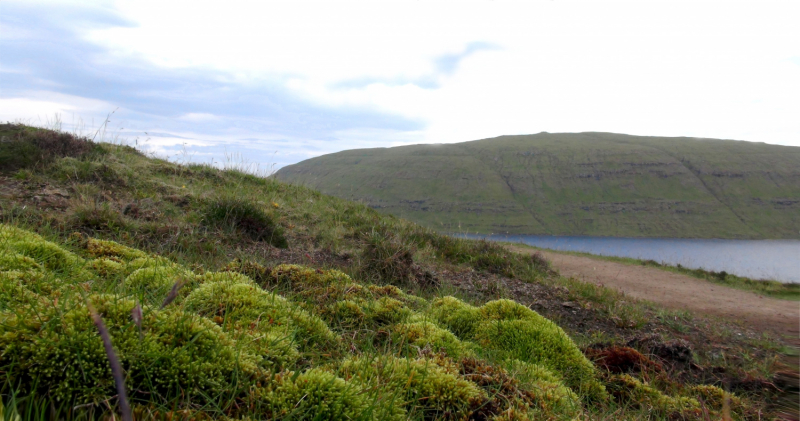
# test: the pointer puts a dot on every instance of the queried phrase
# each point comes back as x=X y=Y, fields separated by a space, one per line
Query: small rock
x=570 y=304
x=50 y=191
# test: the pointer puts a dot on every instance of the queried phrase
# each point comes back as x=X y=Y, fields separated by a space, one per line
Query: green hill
x=600 y=184
x=223 y=295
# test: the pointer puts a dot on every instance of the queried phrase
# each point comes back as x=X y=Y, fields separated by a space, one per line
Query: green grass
x=776 y=289
x=596 y=184
x=228 y=295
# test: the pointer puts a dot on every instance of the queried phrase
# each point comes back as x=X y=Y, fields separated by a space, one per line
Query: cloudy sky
x=273 y=83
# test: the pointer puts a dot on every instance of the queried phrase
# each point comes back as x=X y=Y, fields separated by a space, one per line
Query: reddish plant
x=621 y=359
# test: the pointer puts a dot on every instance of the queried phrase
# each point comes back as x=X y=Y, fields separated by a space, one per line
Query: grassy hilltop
x=600 y=184
x=230 y=296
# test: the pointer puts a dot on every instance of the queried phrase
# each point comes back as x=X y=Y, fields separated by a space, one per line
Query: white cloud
x=676 y=68
x=198 y=117
x=371 y=138
x=53 y=109
x=29 y=110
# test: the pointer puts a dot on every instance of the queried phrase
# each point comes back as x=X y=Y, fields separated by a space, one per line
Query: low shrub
x=539 y=261
x=621 y=359
x=97 y=218
x=245 y=217
x=480 y=254
x=80 y=170
x=386 y=259
x=16 y=155
x=23 y=147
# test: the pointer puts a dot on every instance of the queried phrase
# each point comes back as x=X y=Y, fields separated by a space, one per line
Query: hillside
x=599 y=184
x=223 y=295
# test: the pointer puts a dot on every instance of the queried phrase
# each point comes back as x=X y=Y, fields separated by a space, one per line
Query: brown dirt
x=682 y=292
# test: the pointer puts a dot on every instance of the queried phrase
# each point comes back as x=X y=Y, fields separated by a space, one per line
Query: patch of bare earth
x=677 y=291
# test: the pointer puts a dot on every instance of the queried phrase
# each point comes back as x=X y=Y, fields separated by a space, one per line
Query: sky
x=268 y=84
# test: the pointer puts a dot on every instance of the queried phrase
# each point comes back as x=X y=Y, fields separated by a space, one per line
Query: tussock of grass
x=246 y=217
x=387 y=259
x=99 y=217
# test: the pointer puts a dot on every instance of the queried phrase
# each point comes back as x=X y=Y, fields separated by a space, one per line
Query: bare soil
x=677 y=291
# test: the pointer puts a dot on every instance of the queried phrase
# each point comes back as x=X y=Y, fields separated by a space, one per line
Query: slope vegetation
x=600 y=184
x=229 y=296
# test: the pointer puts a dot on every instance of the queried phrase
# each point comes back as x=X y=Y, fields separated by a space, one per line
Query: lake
x=757 y=259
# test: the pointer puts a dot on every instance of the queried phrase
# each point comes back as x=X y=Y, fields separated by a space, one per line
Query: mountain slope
x=575 y=184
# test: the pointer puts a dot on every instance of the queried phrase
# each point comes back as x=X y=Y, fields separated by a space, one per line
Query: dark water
x=758 y=259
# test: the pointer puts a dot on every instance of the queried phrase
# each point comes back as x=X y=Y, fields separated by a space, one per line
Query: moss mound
x=341 y=302
x=313 y=395
x=46 y=255
x=632 y=391
x=523 y=391
x=421 y=385
x=59 y=352
x=102 y=248
x=517 y=332
x=425 y=334
x=276 y=327
x=277 y=344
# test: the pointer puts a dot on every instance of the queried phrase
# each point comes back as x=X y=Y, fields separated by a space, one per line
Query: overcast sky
x=273 y=83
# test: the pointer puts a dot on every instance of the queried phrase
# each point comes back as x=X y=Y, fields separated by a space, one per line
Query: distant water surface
x=756 y=259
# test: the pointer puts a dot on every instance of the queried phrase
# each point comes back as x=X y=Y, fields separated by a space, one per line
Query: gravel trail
x=679 y=291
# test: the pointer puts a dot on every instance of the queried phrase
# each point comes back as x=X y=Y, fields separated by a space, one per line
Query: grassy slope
x=575 y=184
x=194 y=220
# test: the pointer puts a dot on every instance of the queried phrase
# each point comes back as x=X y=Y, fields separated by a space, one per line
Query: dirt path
x=678 y=291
